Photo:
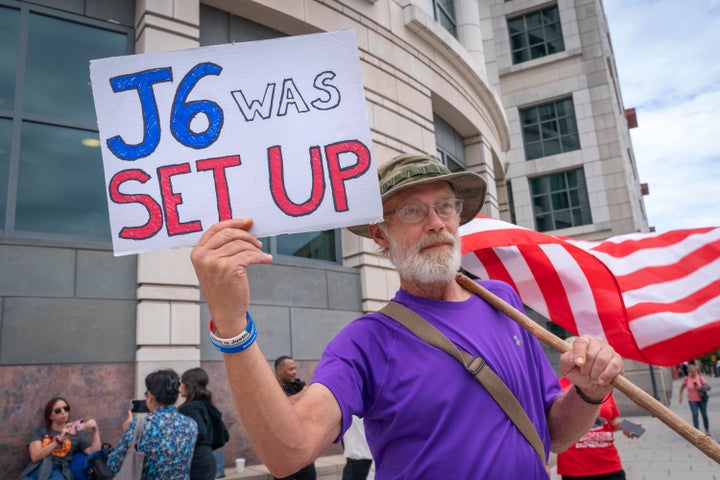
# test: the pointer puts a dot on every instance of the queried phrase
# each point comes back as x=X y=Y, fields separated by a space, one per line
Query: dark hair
x=280 y=360
x=164 y=385
x=49 y=409
x=195 y=381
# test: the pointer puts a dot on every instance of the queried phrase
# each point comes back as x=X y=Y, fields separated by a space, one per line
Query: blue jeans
x=55 y=474
x=219 y=463
x=702 y=406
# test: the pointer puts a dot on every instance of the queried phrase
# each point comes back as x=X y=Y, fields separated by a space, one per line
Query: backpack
x=93 y=466
x=220 y=434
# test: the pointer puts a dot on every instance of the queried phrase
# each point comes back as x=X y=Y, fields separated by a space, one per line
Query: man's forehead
x=408 y=194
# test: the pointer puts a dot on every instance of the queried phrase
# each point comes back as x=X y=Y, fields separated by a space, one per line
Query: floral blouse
x=168 y=442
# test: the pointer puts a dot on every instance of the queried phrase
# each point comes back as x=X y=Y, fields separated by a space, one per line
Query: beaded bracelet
x=235 y=344
x=585 y=399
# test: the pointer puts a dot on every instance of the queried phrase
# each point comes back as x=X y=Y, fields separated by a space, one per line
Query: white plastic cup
x=240 y=465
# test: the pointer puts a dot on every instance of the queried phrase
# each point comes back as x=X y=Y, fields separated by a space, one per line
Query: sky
x=667 y=54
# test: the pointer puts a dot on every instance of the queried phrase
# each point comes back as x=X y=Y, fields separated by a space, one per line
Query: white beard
x=426 y=268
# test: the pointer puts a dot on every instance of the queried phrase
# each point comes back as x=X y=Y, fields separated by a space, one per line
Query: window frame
x=570 y=192
x=441 y=12
x=18 y=116
x=452 y=156
x=565 y=129
x=270 y=245
x=530 y=45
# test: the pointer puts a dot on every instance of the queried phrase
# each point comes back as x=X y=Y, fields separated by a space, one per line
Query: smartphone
x=76 y=426
x=139 y=406
x=631 y=427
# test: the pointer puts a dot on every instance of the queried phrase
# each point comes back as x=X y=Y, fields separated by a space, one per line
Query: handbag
x=97 y=467
x=132 y=465
x=476 y=366
x=704 y=392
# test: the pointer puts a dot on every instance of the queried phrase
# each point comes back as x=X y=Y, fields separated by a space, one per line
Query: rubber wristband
x=238 y=343
x=589 y=400
x=239 y=347
x=229 y=342
x=58 y=441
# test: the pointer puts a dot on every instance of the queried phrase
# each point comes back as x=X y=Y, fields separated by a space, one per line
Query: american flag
x=655 y=297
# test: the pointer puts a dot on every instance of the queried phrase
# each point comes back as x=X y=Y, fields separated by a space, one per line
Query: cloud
x=668 y=62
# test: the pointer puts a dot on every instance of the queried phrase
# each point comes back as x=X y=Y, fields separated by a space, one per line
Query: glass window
x=511 y=202
x=535 y=34
x=315 y=245
x=444 y=14
x=52 y=183
x=9 y=24
x=58 y=59
x=450 y=145
x=549 y=129
x=560 y=200
x=60 y=183
x=5 y=134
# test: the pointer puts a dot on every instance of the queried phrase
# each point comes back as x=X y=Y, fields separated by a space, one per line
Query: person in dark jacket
x=285 y=372
x=198 y=406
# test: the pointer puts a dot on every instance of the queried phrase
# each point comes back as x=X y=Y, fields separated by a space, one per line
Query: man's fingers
x=231 y=229
x=229 y=240
x=592 y=362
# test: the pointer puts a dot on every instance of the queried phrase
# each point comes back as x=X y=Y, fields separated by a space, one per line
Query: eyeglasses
x=60 y=409
x=418 y=211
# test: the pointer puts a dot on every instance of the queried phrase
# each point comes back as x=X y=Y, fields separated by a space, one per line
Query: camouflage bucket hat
x=408 y=170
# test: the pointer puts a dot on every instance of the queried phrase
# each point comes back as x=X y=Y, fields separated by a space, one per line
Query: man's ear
x=378 y=235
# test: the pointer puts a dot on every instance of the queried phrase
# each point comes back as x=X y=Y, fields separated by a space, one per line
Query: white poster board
x=274 y=130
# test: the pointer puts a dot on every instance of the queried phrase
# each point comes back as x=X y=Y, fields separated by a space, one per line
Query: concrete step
x=328 y=468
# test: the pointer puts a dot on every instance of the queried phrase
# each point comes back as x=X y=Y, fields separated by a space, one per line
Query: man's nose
x=433 y=221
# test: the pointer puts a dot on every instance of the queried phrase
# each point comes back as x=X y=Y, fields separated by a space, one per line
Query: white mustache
x=435 y=238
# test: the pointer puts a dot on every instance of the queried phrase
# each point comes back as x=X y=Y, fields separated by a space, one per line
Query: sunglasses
x=60 y=409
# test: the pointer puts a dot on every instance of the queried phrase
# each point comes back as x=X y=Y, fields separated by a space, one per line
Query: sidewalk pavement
x=328 y=468
x=661 y=453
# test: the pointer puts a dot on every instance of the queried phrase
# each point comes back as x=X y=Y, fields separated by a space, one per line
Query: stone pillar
x=479 y=158
x=168 y=312
x=467 y=15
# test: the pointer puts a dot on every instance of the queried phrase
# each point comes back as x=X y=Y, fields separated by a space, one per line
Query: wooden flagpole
x=703 y=442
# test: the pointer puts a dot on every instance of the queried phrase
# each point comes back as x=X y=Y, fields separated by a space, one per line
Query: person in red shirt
x=594 y=456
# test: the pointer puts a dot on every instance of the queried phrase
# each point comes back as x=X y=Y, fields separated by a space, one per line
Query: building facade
x=522 y=92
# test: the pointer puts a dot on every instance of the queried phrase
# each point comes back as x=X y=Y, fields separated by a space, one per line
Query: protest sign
x=275 y=130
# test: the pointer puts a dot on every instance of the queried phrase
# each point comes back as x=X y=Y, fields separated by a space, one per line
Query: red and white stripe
x=654 y=297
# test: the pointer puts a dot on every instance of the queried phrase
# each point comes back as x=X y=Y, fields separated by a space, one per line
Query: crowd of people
x=177 y=442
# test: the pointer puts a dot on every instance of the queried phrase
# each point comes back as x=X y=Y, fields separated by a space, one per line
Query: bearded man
x=425 y=416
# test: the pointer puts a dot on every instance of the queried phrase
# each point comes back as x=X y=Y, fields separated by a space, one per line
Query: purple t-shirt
x=425 y=415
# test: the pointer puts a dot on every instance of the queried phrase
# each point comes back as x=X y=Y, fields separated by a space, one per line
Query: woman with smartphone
x=52 y=445
x=167 y=437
